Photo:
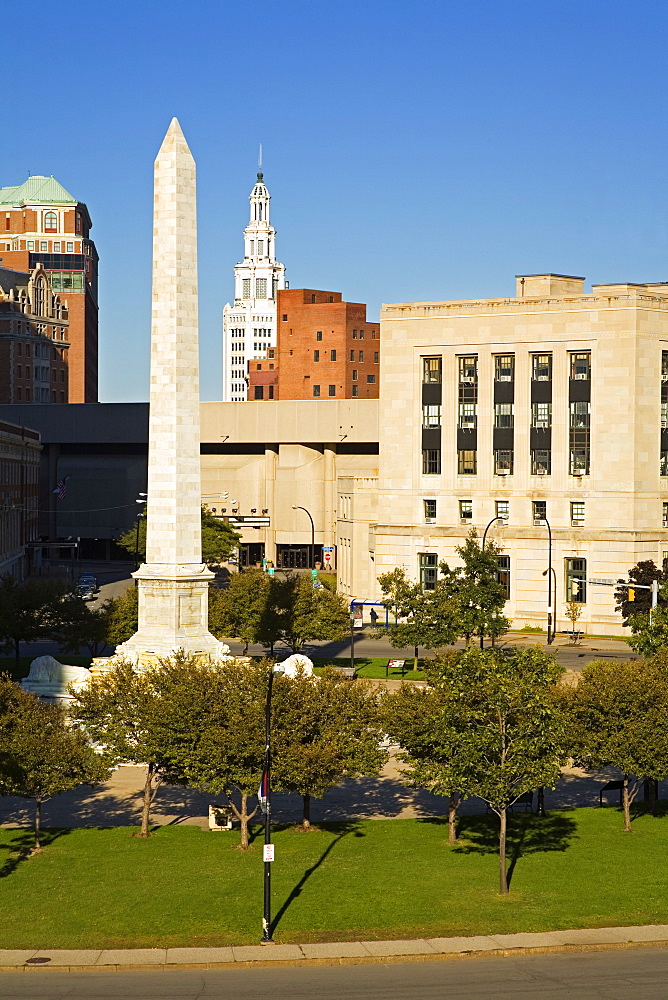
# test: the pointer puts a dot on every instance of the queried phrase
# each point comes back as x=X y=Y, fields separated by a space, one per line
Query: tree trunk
x=626 y=805
x=503 y=875
x=415 y=659
x=17 y=653
x=147 y=801
x=306 y=814
x=38 y=823
x=453 y=805
x=243 y=817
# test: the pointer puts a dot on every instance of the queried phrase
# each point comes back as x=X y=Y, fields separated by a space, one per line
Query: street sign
x=268 y=852
x=328 y=557
x=248 y=521
x=602 y=583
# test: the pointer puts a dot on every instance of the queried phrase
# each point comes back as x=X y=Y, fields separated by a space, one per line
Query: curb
x=334 y=953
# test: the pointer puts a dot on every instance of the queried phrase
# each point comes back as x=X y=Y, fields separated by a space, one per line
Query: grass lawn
x=371 y=666
x=372 y=879
x=8 y=663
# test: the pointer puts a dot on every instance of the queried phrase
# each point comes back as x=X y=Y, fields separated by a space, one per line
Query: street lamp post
x=297 y=507
x=265 y=794
x=482 y=549
x=548 y=572
x=352 y=640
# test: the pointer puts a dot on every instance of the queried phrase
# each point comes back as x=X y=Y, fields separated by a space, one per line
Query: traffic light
x=632 y=594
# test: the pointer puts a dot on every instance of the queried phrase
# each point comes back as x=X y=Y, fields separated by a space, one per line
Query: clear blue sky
x=417 y=151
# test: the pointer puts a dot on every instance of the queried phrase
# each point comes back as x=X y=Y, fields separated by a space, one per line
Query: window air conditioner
x=664 y=377
x=428 y=520
x=503 y=472
x=541 y=472
x=577 y=472
x=538 y=520
x=579 y=376
x=465 y=520
x=504 y=378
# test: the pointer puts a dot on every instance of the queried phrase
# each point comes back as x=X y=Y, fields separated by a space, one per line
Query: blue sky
x=413 y=152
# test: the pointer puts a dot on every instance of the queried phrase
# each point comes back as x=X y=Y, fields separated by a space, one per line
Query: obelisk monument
x=173 y=582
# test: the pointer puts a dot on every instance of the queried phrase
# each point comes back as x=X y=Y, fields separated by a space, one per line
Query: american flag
x=61 y=488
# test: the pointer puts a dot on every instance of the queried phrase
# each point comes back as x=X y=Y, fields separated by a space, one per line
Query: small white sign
x=268 y=852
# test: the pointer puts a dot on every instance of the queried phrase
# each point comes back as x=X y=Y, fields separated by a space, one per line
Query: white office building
x=249 y=323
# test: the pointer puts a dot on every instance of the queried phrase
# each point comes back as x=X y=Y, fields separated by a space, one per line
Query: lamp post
x=297 y=507
x=142 y=500
x=548 y=572
x=265 y=794
x=482 y=549
x=352 y=640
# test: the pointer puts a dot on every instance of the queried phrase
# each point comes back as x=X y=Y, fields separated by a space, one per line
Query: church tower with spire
x=249 y=324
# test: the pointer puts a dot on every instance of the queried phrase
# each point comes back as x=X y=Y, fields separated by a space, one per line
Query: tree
x=28 y=611
x=573 y=612
x=219 y=539
x=324 y=729
x=644 y=572
x=475 y=589
x=424 y=617
x=122 y=711
x=79 y=625
x=617 y=716
x=305 y=614
x=650 y=632
x=497 y=734
x=246 y=609
x=41 y=753
x=122 y=616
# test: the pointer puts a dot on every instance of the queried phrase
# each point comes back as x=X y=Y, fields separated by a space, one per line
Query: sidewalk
x=420 y=949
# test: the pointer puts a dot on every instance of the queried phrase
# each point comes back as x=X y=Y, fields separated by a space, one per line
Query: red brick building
x=263 y=377
x=41 y=223
x=326 y=348
x=34 y=339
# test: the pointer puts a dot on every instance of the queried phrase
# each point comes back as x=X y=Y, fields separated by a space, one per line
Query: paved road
x=601 y=975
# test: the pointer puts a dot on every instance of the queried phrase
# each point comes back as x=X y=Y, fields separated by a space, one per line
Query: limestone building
x=19 y=497
x=249 y=323
x=42 y=223
x=550 y=407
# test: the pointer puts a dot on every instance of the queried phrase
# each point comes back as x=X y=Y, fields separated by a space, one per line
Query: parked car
x=87 y=586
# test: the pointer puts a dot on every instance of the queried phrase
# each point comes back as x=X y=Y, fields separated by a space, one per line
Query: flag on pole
x=262 y=793
x=61 y=488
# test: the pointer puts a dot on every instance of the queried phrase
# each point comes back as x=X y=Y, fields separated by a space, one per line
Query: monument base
x=173 y=615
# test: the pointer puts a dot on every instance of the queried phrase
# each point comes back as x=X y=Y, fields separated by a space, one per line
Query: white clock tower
x=249 y=324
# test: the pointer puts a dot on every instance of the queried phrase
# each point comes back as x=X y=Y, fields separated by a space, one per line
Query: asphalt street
x=597 y=975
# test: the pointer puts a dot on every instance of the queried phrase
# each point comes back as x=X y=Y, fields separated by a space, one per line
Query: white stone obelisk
x=173 y=582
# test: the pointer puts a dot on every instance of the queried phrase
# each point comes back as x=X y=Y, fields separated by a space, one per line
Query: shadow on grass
x=342 y=830
x=22 y=846
x=657 y=809
x=527 y=834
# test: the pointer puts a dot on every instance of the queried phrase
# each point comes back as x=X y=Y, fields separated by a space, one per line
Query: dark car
x=87 y=586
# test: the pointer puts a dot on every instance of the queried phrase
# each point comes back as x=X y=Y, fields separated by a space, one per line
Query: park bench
x=612 y=786
x=526 y=800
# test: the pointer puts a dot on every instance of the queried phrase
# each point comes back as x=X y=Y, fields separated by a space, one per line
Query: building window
x=260 y=253
x=259 y=392
x=467 y=463
x=284 y=318
x=576 y=580
x=466 y=510
x=541 y=462
x=361 y=334
x=354 y=334
x=580 y=415
x=502 y=508
x=581 y=366
x=245 y=288
x=579 y=439
x=44 y=246
x=332 y=390
x=316 y=390
x=503 y=574
x=541 y=414
x=664 y=413
x=429 y=509
x=56 y=247
x=260 y=288
x=503 y=462
x=316 y=355
x=431 y=415
x=541 y=367
x=352 y=355
x=665 y=514
x=332 y=355
x=371 y=379
x=375 y=357
x=355 y=374
x=431 y=461
x=70 y=248
x=271 y=392
x=50 y=222
x=468 y=415
x=432 y=369
x=503 y=415
x=428 y=566
x=468 y=371
x=579 y=462
x=504 y=367
x=539 y=511
x=577 y=513
x=356 y=390
x=318 y=335
x=361 y=357
x=31 y=244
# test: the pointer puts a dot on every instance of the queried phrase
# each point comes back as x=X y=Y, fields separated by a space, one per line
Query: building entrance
x=251 y=554
x=297 y=556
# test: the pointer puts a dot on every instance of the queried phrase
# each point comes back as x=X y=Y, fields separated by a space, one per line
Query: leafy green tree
x=324 y=729
x=617 y=716
x=305 y=614
x=497 y=733
x=79 y=625
x=122 y=616
x=41 y=752
x=246 y=609
x=219 y=539
x=425 y=618
x=644 y=573
x=28 y=611
x=650 y=632
x=475 y=589
x=122 y=711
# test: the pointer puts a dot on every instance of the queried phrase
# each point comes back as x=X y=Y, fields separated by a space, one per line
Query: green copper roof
x=37 y=189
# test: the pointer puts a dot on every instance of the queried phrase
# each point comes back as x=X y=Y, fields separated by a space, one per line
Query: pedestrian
x=374 y=617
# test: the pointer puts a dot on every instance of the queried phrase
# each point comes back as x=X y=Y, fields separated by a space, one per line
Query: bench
x=526 y=800
x=612 y=786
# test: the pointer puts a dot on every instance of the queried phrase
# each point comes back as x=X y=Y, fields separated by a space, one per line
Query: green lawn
x=371 y=666
x=373 y=879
